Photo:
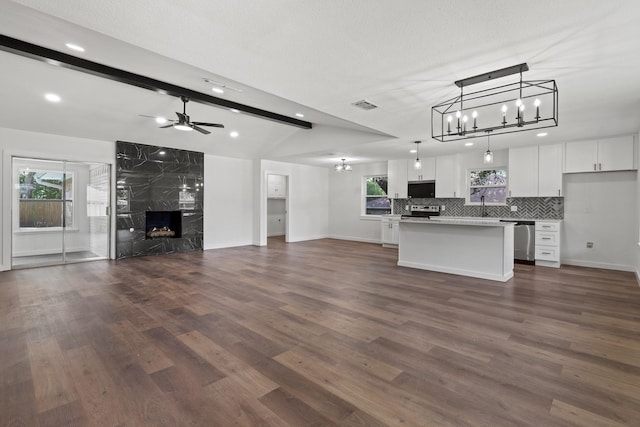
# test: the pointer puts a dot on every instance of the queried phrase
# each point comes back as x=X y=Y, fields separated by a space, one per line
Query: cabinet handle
x=545 y=253
x=546 y=238
x=594 y=167
x=546 y=226
x=558 y=192
x=454 y=194
x=509 y=193
x=599 y=166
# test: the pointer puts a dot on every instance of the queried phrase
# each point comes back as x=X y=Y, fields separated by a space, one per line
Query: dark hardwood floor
x=315 y=333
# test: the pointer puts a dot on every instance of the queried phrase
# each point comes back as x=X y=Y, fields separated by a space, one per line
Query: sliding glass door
x=60 y=212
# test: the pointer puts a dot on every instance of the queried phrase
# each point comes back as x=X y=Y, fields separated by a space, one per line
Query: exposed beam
x=53 y=57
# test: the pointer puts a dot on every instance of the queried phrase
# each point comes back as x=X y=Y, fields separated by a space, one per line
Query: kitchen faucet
x=483 y=212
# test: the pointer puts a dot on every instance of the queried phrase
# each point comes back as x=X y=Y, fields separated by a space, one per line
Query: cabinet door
x=397 y=179
x=523 y=172
x=581 y=156
x=550 y=170
x=447 y=177
x=386 y=230
x=276 y=186
x=426 y=173
x=615 y=153
x=395 y=231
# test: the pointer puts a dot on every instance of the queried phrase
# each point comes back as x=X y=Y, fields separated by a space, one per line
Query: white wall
x=20 y=143
x=637 y=233
x=228 y=202
x=601 y=208
x=308 y=199
x=345 y=204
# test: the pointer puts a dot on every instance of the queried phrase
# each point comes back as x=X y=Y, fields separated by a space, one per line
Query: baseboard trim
x=228 y=245
x=603 y=265
x=356 y=239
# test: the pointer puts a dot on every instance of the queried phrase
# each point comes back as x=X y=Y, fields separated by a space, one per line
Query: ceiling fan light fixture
x=161 y=120
x=343 y=167
x=182 y=126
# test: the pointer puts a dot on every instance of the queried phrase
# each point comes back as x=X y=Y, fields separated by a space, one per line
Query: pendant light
x=488 y=155
x=418 y=164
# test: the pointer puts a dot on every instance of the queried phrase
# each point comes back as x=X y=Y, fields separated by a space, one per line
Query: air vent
x=365 y=105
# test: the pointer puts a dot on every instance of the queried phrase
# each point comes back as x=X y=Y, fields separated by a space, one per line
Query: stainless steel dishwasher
x=524 y=241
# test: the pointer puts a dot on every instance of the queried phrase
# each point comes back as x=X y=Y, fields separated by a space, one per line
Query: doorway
x=60 y=212
x=277 y=193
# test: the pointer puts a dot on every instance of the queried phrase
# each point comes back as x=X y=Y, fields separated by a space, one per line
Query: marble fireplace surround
x=152 y=179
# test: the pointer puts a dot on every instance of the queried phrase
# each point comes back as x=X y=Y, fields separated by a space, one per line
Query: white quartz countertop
x=493 y=222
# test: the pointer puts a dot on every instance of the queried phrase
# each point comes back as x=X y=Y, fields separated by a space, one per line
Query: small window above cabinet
x=276 y=186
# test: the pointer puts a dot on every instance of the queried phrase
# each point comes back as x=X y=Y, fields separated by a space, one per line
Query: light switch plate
x=514 y=209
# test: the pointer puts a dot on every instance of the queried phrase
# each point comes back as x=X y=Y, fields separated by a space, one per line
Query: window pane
x=488 y=177
x=378 y=206
x=377 y=186
x=491 y=194
x=41 y=195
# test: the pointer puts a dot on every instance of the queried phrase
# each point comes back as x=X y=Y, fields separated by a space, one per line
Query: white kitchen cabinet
x=523 y=172
x=397 y=179
x=276 y=186
x=547 y=243
x=550 y=170
x=426 y=173
x=608 y=154
x=447 y=177
x=616 y=154
x=390 y=231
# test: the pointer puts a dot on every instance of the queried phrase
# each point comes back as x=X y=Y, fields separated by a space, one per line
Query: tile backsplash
x=528 y=207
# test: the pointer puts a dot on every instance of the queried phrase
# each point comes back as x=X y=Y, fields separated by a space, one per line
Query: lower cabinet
x=390 y=231
x=548 y=243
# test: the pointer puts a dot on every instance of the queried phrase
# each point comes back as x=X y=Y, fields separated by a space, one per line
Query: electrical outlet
x=589 y=245
x=514 y=209
x=442 y=208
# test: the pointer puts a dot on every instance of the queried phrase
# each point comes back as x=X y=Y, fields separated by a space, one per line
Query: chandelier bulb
x=536 y=102
x=449 y=118
x=504 y=109
x=458 y=114
x=518 y=102
x=474 y=114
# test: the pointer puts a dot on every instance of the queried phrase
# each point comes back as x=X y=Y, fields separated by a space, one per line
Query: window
x=488 y=183
x=45 y=199
x=375 y=197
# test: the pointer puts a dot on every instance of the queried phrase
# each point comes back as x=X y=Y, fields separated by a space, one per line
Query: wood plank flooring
x=319 y=333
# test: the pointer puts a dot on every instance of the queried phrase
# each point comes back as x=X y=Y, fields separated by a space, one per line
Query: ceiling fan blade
x=199 y=129
x=213 y=125
x=166 y=126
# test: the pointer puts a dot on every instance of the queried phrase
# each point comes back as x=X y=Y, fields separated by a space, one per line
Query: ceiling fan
x=184 y=122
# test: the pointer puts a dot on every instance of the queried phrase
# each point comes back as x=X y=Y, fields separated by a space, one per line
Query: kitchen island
x=470 y=247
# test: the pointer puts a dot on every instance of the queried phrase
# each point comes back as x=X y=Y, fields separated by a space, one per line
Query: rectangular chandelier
x=514 y=107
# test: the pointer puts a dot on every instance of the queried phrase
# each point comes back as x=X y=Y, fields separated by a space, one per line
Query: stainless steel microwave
x=422 y=190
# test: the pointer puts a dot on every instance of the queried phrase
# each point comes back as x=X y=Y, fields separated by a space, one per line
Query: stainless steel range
x=423 y=211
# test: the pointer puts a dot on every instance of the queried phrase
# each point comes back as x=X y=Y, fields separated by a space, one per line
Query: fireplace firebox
x=163 y=224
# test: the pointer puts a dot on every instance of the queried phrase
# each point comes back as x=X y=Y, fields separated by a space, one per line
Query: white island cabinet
x=475 y=248
x=390 y=230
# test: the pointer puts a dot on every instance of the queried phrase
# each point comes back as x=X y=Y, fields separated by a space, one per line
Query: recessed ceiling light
x=541 y=134
x=233 y=134
x=234 y=110
x=161 y=120
x=299 y=115
x=468 y=144
x=217 y=90
x=74 y=47
x=52 y=97
x=413 y=151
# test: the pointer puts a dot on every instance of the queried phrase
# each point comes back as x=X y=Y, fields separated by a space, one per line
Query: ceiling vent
x=365 y=105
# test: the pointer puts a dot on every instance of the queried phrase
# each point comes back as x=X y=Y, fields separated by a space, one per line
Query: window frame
x=469 y=186
x=364 y=197
x=73 y=201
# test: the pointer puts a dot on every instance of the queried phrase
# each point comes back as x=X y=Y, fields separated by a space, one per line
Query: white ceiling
x=318 y=57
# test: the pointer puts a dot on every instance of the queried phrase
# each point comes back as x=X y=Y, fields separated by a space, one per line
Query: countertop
x=473 y=218
x=485 y=222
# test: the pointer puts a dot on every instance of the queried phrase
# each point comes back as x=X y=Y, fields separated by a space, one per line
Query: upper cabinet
x=426 y=173
x=523 y=172
x=447 y=177
x=276 y=186
x=608 y=154
x=550 y=170
x=397 y=179
x=535 y=171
